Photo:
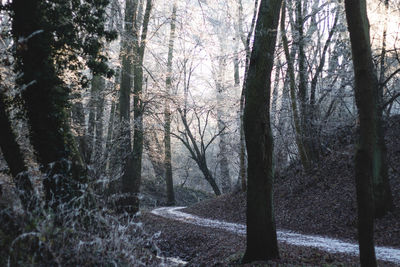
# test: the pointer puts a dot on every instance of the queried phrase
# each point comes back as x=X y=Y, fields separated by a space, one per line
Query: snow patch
x=324 y=243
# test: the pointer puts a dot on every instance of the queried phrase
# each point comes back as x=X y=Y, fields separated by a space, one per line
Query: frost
x=168 y=261
x=323 y=243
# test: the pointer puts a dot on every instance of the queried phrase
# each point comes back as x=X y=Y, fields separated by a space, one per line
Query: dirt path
x=307 y=242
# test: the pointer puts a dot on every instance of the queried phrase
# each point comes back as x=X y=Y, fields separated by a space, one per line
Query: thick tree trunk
x=367 y=160
x=129 y=201
x=261 y=231
x=46 y=99
x=13 y=156
x=167 y=114
x=128 y=58
x=132 y=176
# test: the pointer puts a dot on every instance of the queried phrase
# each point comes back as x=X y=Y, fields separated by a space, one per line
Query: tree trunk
x=383 y=199
x=198 y=152
x=129 y=201
x=155 y=155
x=126 y=78
x=242 y=145
x=292 y=87
x=246 y=43
x=113 y=130
x=90 y=135
x=46 y=99
x=223 y=159
x=98 y=147
x=261 y=231
x=132 y=176
x=367 y=159
x=13 y=156
x=110 y=131
x=306 y=133
x=223 y=150
x=78 y=121
x=167 y=114
x=208 y=176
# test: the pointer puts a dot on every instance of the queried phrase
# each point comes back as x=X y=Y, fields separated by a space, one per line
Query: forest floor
x=321 y=203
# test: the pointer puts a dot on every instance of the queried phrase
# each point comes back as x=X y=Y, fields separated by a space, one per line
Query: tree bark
x=90 y=135
x=246 y=43
x=110 y=131
x=367 y=159
x=45 y=100
x=261 y=230
x=13 y=156
x=98 y=146
x=78 y=122
x=132 y=176
x=383 y=199
x=155 y=154
x=292 y=87
x=167 y=114
x=128 y=58
x=225 y=180
x=306 y=134
x=198 y=151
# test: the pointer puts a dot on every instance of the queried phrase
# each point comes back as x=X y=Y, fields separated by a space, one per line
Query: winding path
x=327 y=244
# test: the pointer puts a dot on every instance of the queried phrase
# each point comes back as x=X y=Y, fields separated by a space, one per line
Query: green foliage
x=54 y=41
x=77 y=30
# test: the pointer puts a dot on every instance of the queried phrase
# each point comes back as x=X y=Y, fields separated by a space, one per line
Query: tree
x=292 y=86
x=367 y=160
x=132 y=175
x=48 y=35
x=310 y=64
x=383 y=199
x=100 y=83
x=220 y=28
x=127 y=55
x=167 y=114
x=13 y=155
x=246 y=42
x=261 y=231
x=95 y=128
x=197 y=147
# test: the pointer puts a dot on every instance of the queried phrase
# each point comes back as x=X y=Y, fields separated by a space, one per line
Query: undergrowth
x=75 y=235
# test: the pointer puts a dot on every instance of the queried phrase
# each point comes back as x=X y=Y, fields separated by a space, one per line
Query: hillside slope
x=323 y=202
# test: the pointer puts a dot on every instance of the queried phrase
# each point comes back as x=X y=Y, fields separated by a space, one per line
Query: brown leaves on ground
x=321 y=203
